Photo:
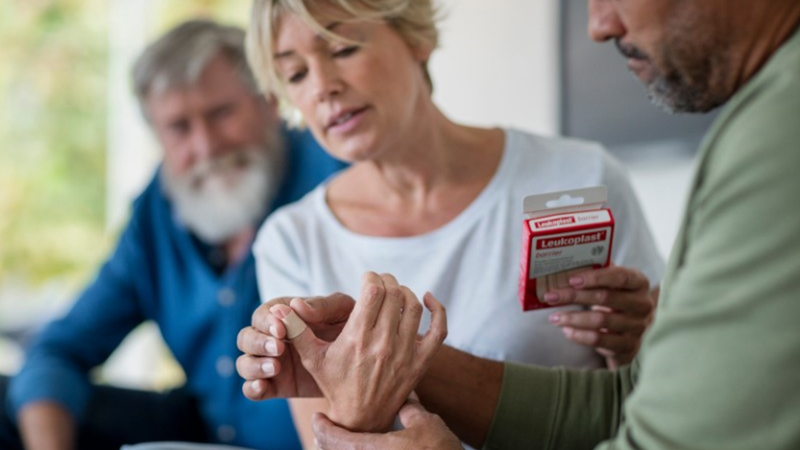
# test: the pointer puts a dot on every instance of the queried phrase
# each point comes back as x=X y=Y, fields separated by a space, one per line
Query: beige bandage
x=560 y=280
x=294 y=325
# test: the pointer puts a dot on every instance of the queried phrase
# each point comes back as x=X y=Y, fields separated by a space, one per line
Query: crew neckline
x=501 y=178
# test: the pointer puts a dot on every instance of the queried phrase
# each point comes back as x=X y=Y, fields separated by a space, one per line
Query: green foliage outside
x=52 y=137
x=53 y=69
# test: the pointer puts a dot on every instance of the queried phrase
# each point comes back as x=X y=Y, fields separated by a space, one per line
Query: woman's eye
x=297 y=77
x=345 y=52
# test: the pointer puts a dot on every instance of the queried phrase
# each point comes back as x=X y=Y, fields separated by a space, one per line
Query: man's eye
x=179 y=128
x=297 y=77
x=345 y=52
x=222 y=112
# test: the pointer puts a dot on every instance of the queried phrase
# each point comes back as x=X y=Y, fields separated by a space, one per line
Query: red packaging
x=563 y=233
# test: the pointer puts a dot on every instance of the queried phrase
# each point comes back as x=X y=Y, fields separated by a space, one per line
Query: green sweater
x=720 y=368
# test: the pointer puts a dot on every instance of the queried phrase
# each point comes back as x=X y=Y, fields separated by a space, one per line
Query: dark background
x=602 y=101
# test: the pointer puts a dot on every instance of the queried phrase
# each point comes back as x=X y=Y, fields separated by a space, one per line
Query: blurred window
x=74 y=150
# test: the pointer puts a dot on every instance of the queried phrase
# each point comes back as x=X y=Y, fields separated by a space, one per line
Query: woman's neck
x=419 y=183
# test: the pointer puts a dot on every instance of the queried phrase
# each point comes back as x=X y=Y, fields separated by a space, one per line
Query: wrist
x=357 y=421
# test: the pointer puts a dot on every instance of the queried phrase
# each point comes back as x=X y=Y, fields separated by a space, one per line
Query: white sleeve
x=281 y=269
x=634 y=245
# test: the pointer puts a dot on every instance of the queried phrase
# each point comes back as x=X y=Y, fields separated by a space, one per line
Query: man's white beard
x=218 y=198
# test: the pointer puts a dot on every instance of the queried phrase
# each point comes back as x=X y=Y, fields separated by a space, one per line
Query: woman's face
x=357 y=99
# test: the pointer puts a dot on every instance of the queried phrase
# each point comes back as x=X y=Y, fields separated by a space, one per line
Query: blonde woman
x=431 y=201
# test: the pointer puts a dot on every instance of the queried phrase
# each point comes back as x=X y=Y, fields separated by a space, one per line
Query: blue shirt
x=159 y=272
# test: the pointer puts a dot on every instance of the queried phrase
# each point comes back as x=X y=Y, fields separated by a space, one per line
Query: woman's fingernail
x=576 y=281
x=551 y=297
x=272 y=330
x=555 y=318
x=268 y=368
x=568 y=332
x=272 y=348
x=256 y=386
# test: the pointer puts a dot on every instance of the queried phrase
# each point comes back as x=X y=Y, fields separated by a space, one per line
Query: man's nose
x=604 y=21
x=206 y=142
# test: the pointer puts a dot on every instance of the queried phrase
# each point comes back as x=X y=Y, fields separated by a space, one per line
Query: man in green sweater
x=720 y=367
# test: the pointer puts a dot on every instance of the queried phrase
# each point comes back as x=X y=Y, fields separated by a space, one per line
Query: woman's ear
x=422 y=52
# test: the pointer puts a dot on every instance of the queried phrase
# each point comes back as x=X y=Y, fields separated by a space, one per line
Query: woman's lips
x=347 y=122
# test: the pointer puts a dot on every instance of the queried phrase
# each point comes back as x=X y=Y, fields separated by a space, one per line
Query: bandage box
x=563 y=233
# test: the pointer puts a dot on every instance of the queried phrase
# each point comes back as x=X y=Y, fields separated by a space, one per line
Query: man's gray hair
x=179 y=57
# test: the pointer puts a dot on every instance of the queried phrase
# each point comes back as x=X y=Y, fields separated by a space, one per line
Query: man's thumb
x=412 y=411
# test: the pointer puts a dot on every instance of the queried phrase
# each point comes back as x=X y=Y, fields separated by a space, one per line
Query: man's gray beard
x=215 y=210
x=690 y=80
x=676 y=97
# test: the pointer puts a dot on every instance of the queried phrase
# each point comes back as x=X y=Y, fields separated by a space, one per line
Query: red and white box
x=563 y=233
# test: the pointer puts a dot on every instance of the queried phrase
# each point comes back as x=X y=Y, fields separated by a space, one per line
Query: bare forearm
x=46 y=426
x=464 y=390
x=302 y=411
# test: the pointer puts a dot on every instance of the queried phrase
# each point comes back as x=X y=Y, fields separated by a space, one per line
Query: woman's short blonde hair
x=414 y=20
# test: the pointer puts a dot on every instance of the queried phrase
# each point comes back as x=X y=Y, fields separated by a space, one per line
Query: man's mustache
x=629 y=51
x=205 y=168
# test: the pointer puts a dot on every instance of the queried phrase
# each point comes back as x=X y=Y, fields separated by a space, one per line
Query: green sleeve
x=720 y=368
x=542 y=408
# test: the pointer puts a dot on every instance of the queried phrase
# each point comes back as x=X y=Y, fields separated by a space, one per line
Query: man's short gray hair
x=179 y=57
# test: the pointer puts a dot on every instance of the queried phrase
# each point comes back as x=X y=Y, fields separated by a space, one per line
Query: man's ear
x=269 y=104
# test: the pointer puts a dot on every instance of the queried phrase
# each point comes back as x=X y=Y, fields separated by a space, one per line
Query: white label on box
x=558 y=252
x=570 y=220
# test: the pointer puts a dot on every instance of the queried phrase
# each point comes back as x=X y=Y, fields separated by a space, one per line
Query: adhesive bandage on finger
x=294 y=325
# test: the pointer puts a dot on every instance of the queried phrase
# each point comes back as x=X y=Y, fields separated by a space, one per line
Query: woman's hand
x=620 y=308
x=273 y=369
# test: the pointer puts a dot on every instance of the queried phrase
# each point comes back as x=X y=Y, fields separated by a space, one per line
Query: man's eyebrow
x=330 y=27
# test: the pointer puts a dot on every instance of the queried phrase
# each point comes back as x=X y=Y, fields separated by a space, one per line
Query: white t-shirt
x=471 y=264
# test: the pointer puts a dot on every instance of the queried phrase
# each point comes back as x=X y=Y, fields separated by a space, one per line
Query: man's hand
x=273 y=369
x=620 y=310
x=368 y=372
x=422 y=430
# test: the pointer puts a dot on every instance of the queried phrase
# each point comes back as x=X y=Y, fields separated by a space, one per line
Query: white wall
x=132 y=153
x=661 y=178
x=498 y=63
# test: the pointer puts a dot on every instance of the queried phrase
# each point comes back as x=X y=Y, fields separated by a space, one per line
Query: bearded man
x=183 y=261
